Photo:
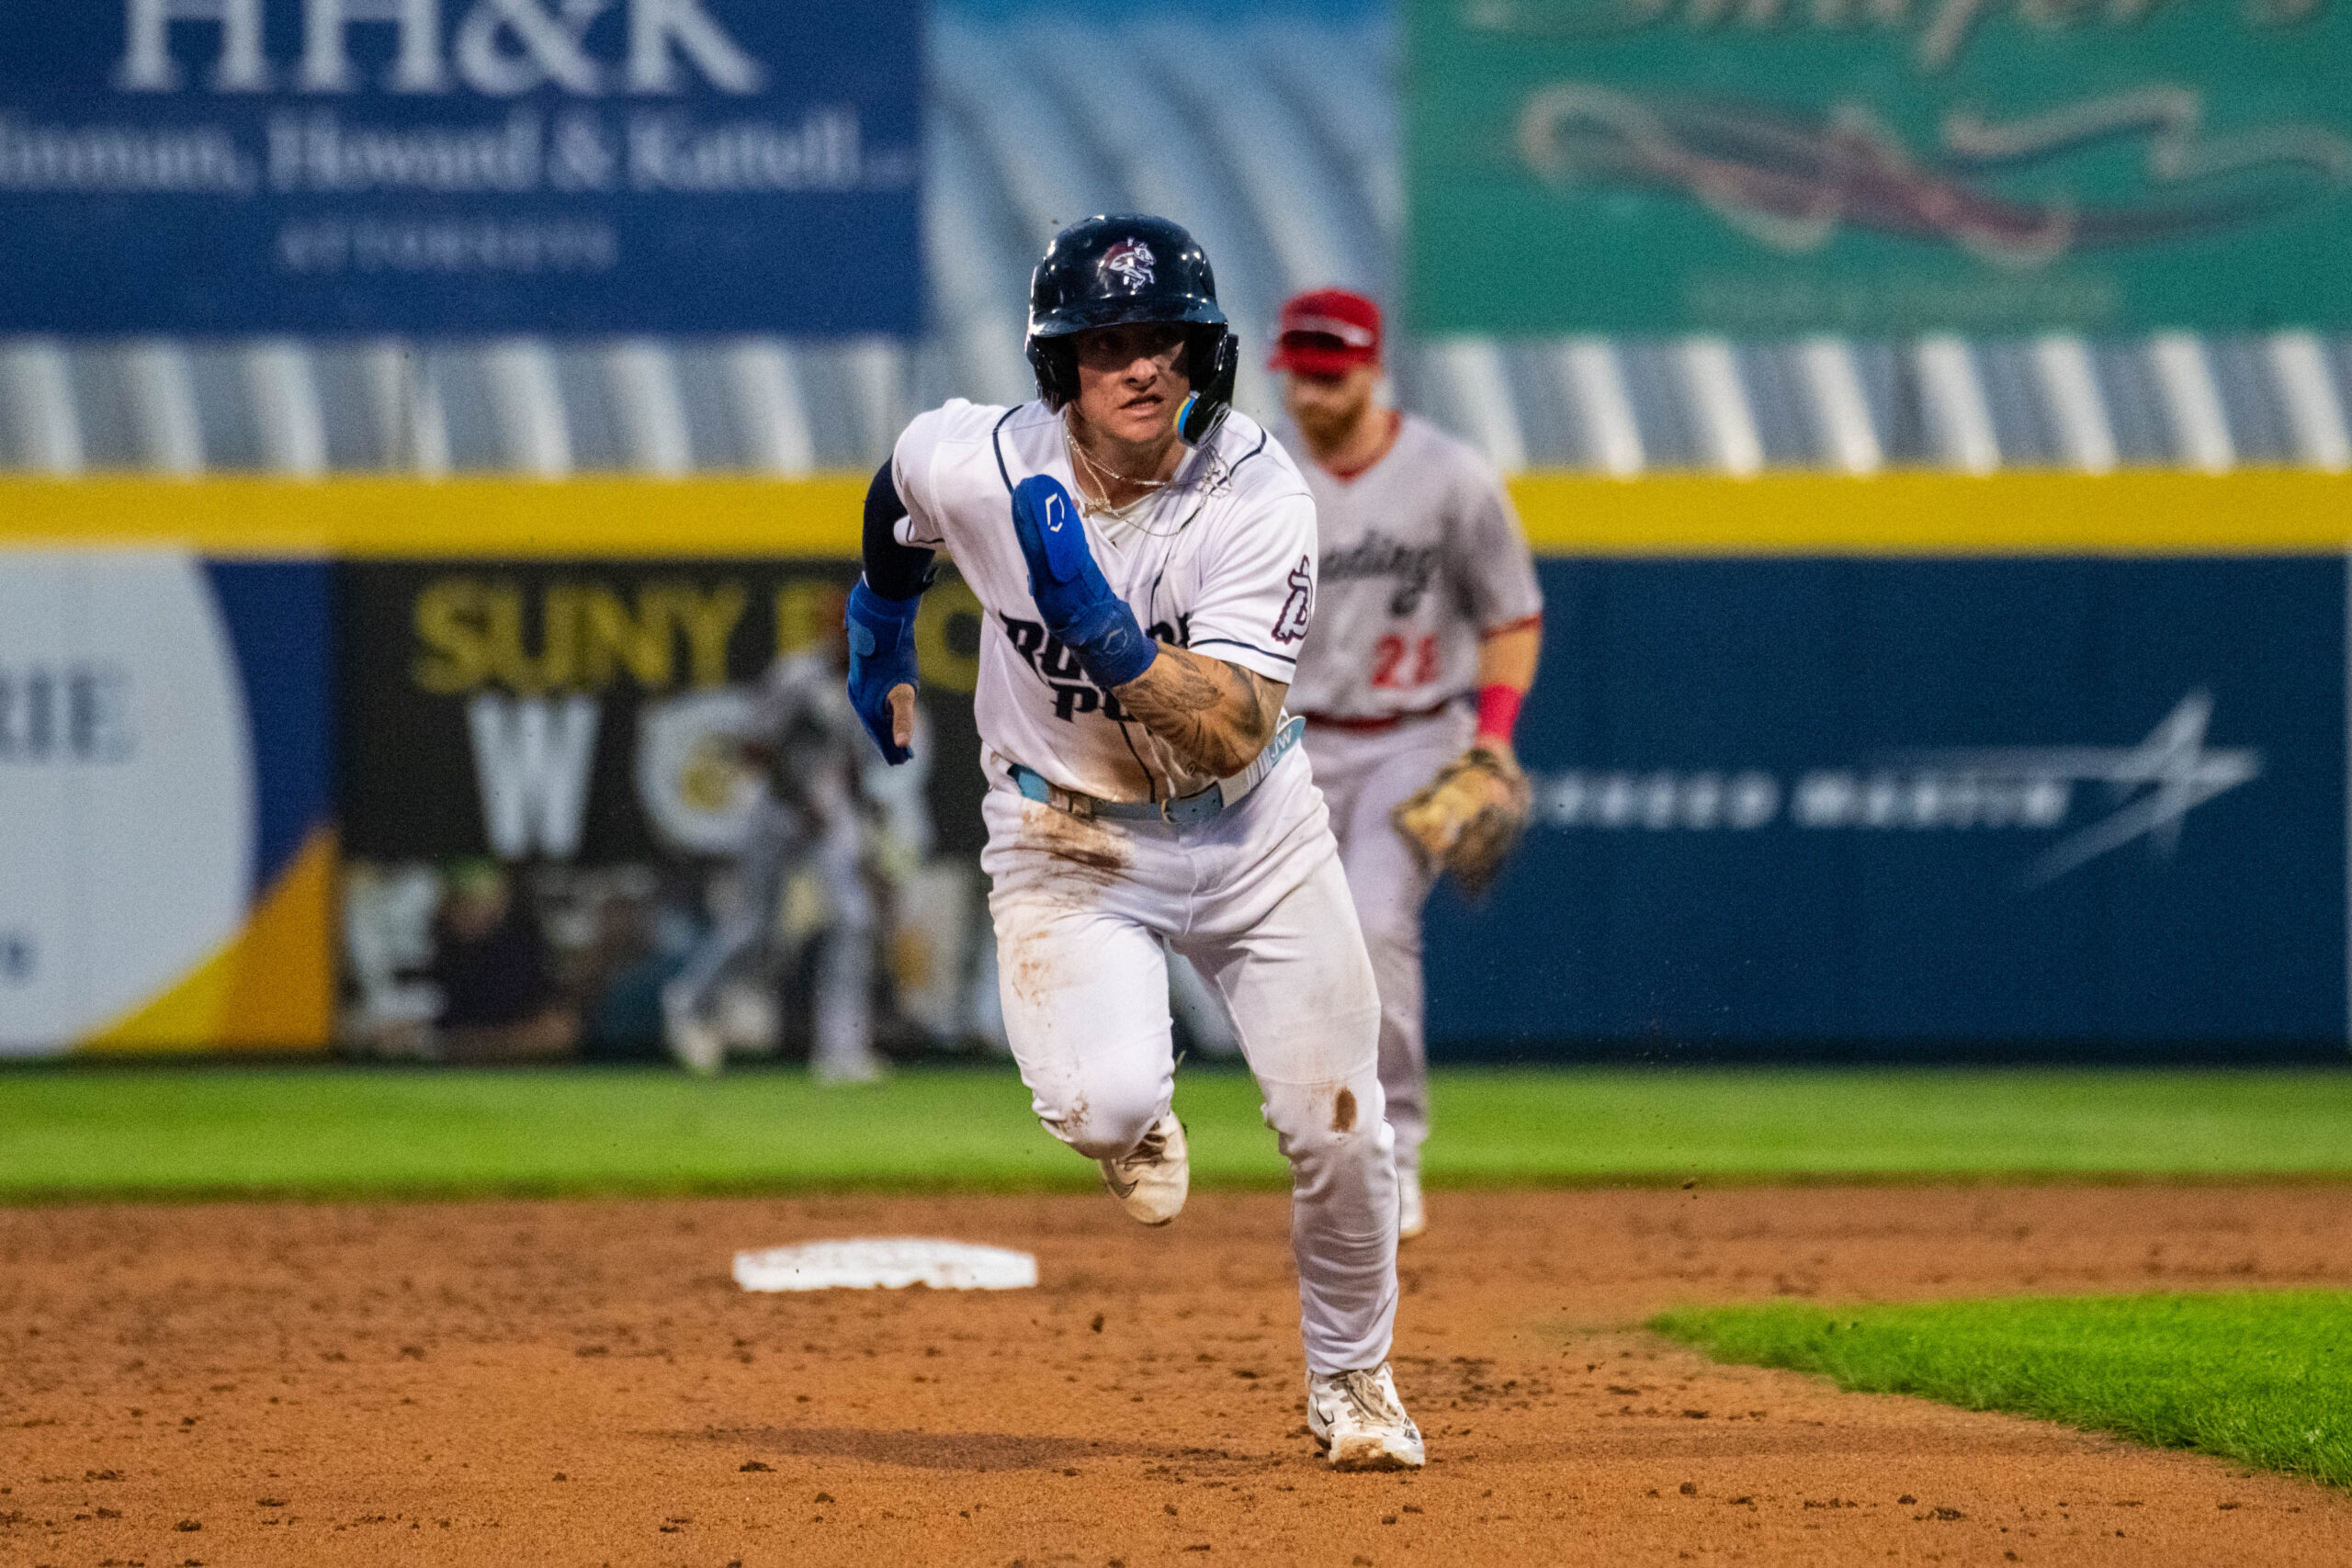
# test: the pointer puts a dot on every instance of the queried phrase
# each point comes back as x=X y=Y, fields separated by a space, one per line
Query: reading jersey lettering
x=1221 y=561
x=1420 y=555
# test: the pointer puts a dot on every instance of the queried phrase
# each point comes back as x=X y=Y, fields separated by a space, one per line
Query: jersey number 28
x=1388 y=665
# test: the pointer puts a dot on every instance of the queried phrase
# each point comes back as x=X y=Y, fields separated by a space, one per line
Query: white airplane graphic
x=2153 y=786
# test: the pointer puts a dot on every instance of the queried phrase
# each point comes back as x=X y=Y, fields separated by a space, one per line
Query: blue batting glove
x=881 y=659
x=1072 y=593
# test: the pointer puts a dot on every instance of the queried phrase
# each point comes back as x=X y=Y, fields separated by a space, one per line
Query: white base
x=886 y=1263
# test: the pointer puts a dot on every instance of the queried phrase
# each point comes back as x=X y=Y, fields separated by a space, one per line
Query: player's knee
x=1103 y=1121
x=1322 y=1121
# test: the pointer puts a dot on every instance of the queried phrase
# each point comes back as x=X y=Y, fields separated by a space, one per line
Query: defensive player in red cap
x=1424 y=642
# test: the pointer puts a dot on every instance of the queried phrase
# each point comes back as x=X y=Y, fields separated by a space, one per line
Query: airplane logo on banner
x=2151 y=787
x=2147 y=792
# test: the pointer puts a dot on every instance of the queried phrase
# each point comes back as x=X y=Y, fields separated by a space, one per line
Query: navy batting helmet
x=1110 y=271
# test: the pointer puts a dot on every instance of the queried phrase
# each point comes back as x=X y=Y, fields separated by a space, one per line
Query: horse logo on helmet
x=1130 y=262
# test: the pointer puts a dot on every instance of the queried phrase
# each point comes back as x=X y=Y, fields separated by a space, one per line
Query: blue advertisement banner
x=461 y=167
x=1920 y=803
x=166 y=805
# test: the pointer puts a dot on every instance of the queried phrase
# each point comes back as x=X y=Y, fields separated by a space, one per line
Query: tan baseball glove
x=1466 y=819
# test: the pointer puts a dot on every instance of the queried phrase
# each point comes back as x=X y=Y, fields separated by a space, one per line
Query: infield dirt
x=580 y=1382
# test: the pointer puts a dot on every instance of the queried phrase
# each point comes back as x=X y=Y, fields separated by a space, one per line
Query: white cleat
x=697 y=1045
x=1357 y=1419
x=865 y=1067
x=1150 y=1182
x=694 y=1040
x=1411 y=1221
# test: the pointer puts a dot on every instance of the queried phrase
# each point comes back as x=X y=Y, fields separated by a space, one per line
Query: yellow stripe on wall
x=596 y=518
x=2258 y=511
x=2136 y=513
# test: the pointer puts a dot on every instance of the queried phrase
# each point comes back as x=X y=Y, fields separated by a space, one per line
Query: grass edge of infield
x=2260 y=1378
x=71 y=1133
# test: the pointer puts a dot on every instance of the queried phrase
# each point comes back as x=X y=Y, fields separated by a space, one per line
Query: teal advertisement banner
x=1879 y=166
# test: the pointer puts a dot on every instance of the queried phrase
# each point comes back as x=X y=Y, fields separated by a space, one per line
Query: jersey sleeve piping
x=1262 y=439
x=996 y=443
x=1250 y=647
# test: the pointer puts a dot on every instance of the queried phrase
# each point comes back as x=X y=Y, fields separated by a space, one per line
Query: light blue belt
x=1189 y=811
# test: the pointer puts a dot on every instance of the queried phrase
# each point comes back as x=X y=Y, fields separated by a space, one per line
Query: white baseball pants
x=1256 y=900
x=1363 y=778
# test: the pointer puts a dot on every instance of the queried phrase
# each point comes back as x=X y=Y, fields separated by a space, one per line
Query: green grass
x=123 y=1130
x=2261 y=1377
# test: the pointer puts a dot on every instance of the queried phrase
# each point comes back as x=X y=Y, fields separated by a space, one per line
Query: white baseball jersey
x=1422 y=553
x=1221 y=561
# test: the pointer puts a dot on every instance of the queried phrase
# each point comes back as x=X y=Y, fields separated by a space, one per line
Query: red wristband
x=1498 y=712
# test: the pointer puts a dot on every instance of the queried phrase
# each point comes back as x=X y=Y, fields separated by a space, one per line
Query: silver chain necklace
x=1201 y=470
x=1098 y=506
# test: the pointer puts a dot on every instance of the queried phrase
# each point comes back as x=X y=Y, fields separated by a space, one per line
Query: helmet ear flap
x=1204 y=413
x=1054 y=360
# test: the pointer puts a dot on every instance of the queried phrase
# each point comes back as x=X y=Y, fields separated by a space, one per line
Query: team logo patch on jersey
x=1299 y=608
x=1130 y=262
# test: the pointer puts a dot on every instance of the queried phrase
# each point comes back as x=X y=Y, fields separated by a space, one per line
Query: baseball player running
x=1424 y=644
x=1145 y=561
x=809 y=818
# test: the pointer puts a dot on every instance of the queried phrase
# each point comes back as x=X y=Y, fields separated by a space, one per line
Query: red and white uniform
x=1222 y=561
x=1422 y=557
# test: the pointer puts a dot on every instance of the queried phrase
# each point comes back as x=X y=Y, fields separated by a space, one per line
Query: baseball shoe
x=1357 y=1419
x=1152 y=1182
x=1411 y=1221
x=692 y=1039
x=864 y=1068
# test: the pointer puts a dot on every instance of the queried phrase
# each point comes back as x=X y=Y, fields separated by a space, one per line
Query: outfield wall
x=1910 y=762
x=167 y=842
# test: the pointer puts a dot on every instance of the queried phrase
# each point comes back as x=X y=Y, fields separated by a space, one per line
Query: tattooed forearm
x=1217 y=716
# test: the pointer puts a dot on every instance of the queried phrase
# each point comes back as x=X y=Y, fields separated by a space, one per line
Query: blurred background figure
x=801 y=879
x=499 y=996
x=450 y=964
x=1428 y=625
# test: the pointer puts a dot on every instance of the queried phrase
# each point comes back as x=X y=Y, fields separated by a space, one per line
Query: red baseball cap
x=1327 y=331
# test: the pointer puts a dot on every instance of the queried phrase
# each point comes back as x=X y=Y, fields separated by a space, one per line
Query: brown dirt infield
x=580 y=1382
